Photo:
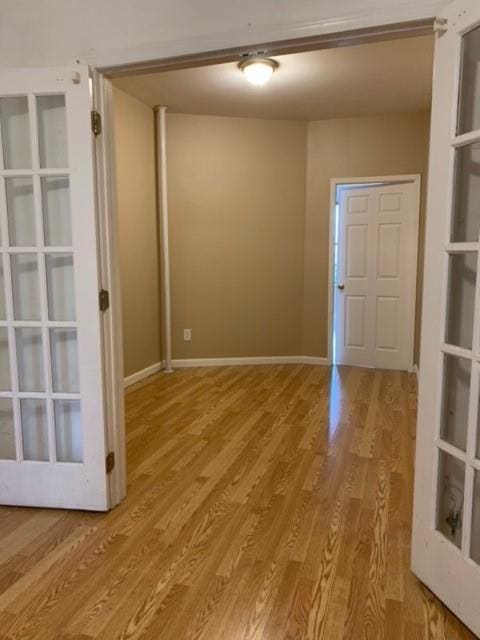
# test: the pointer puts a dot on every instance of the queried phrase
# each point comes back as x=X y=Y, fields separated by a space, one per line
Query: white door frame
x=416 y=180
x=352 y=33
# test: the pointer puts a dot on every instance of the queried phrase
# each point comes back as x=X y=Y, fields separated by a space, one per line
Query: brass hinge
x=96 y=123
x=103 y=300
x=110 y=462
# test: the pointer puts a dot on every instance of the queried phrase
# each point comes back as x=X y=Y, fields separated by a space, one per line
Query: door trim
x=416 y=180
x=112 y=331
x=337 y=33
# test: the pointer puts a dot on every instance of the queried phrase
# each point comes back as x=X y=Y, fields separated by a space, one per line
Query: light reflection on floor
x=335 y=408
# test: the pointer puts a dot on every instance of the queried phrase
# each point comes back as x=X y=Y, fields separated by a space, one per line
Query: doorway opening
x=244 y=192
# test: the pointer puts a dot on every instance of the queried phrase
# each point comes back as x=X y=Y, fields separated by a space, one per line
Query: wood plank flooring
x=265 y=503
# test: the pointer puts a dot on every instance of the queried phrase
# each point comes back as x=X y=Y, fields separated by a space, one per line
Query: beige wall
x=135 y=145
x=237 y=202
x=249 y=223
x=354 y=147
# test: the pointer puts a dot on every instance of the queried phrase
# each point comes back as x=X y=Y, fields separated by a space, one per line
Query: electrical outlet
x=187 y=335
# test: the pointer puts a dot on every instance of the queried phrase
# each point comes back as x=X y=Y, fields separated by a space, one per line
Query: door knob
x=341 y=286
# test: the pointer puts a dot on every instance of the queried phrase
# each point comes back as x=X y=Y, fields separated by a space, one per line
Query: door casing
x=106 y=197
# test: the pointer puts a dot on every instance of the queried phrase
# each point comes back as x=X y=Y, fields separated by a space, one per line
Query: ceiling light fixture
x=258 y=71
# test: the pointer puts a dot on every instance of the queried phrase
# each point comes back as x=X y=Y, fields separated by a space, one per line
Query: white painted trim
x=313 y=360
x=357 y=25
x=164 y=240
x=144 y=373
x=112 y=333
x=255 y=360
x=416 y=179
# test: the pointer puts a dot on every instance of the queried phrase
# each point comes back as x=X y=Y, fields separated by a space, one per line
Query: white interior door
x=375 y=276
x=446 y=531
x=52 y=432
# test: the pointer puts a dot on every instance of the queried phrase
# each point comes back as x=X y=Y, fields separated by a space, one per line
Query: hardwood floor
x=264 y=503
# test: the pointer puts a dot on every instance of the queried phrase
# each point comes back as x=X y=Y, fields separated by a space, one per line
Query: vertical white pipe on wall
x=163 y=227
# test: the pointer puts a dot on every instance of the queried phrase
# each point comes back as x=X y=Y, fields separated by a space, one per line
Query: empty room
x=239 y=321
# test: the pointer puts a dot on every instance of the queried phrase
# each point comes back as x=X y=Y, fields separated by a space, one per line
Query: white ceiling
x=368 y=79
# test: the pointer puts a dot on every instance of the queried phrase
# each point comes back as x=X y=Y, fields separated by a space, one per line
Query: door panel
x=52 y=431
x=355 y=322
x=374 y=296
x=446 y=531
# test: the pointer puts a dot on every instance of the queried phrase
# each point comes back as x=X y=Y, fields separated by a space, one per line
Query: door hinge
x=104 y=300
x=110 y=462
x=96 y=123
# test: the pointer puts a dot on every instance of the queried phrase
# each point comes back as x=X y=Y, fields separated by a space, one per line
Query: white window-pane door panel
x=52 y=430
x=469 y=98
x=446 y=521
x=34 y=429
x=457 y=373
x=60 y=286
x=64 y=356
x=68 y=431
x=475 y=543
x=26 y=286
x=466 y=212
x=52 y=131
x=30 y=362
x=20 y=212
x=15 y=130
x=7 y=431
x=56 y=211
x=5 y=382
x=461 y=303
x=2 y=291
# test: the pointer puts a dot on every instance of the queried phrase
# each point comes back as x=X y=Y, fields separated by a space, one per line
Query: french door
x=52 y=431
x=376 y=275
x=446 y=528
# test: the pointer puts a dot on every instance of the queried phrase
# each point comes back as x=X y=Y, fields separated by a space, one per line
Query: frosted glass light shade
x=258 y=72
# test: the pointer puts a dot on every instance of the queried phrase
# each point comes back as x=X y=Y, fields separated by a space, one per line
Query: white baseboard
x=414 y=370
x=230 y=362
x=144 y=373
x=314 y=360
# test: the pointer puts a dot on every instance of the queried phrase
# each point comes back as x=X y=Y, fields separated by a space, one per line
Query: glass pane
x=52 y=131
x=20 y=212
x=5 y=383
x=466 y=205
x=7 y=434
x=15 y=133
x=25 y=283
x=56 y=211
x=461 y=295
x=60 y=287
x=456 y=393
x=63 y=345
x=3 y=310
x=30 y=359
x=475 y=539
x=68 y=431
x=34 y=429
x=469 y=111
x=451 y=483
